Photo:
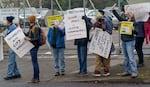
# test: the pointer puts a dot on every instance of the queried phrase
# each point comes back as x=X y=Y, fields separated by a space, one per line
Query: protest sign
x=101 y=43
x=54 y=20
x=140 y=10
x=16 y=42
x=74 y=26
x=126 y=28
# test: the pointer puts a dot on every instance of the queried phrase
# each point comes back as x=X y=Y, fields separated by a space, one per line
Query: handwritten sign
x=16 y=42
x=140 y=10
x=75 y=26
x=54 y=20
x=126 y=28
x=101 y=43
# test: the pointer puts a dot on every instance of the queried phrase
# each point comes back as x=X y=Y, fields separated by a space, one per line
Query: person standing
x=57 y=43
x=105 y=24
x=82 y=47
x=139 y=40
x=128 y=45
x=13 y=71
x=33 y=37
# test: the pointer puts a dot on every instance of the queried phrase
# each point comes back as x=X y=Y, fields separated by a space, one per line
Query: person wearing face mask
x=128 y=45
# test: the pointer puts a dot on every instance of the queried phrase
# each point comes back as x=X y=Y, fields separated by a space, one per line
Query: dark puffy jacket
x=140 y=29
x=123 y=36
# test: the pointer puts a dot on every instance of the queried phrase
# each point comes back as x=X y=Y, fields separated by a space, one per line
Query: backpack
x=42 y=36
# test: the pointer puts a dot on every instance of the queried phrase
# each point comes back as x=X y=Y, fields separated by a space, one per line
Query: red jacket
x=147 y=30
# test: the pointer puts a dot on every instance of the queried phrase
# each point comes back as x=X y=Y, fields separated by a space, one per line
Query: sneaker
x=133 y=75
x=12 y=77
x=8 y=78
x=62 y=73
x=106 y=73
x=140 y=65
x=17 y=76
x=57 y=74
x=34 y=81
x=97 y=73
x=125 y=74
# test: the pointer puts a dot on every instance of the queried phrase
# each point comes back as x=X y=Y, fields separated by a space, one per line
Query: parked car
x=24 y=13
x=42 y=12
x=91 y=14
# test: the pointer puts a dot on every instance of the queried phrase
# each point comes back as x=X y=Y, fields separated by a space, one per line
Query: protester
x=128 y=45
x=104 y=23
x=82 y=47
x=147 y=29
x=33 y=37
x=57 y=43
x=13 y=71
x=139 y=40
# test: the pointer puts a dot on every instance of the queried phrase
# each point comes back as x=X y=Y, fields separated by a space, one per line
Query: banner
x=140 y=11
x=16 y=42
x=51 y=20
x=75 y=26
x=101 y=43
x=126 y=27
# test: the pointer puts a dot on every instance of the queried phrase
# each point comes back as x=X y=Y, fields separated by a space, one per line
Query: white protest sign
x=101 y=43
x=16 y=42
x=4 y=12
x=140 y=11
x=74 y=26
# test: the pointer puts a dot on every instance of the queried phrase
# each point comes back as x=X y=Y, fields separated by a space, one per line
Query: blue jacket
x=10 y=29
x=60 y=41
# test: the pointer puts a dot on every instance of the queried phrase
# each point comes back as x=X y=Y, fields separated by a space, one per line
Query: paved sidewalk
x=47 y=72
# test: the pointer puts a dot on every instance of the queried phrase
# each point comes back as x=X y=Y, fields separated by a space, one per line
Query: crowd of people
x=56 y=40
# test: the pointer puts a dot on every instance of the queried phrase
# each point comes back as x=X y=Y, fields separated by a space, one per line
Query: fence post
x=1 y=47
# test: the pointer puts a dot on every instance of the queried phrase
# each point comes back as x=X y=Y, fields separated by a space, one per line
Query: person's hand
x=27 y=38
x=113 y=7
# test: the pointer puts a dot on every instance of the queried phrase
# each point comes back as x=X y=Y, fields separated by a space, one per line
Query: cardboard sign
x=75 y=26
x=126 y=28
x=16 y=42
x=54 y=20
x=101 y=43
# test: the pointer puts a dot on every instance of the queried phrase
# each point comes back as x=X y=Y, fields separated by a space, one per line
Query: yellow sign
x=54 y=20
x=126 y=27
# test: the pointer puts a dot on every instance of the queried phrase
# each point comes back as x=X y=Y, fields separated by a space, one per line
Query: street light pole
x=69 y=4
x=52 y=9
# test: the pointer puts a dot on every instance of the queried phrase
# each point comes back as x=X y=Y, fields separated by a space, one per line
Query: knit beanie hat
x=10 y=18
x=32 y=19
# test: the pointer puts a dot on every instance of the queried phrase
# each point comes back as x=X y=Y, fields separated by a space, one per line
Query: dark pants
x=138 y=46
x=35 y=64
x=82 y=56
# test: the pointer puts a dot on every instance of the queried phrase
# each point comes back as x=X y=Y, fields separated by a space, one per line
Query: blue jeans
x=58 y=54
x=129 y=59
x=35 y=64
x=82 y=57
x=12 y=64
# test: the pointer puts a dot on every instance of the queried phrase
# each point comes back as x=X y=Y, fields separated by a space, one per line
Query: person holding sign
x=13 y=71
x=128 y=45
x=104 y=23
x=33 y=36
x=56 y=41
x=82 y=47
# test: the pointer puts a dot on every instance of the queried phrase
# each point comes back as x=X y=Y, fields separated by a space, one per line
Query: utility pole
x=52 y=7
x=69 y=4
x=40 y=3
